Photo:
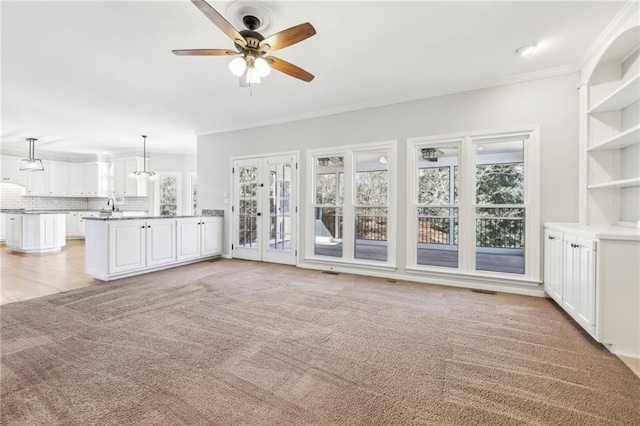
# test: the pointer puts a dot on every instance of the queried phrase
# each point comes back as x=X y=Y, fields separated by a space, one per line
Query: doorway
x=265 y=209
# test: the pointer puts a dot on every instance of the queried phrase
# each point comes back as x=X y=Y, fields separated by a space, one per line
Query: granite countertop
x=139 y=217
x=22 y=211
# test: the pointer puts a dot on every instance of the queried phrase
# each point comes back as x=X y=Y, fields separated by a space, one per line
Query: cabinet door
x=130 y=183
x=59 y=175
x=14 y=230
x=30 y=238
x=188 y=238
x=127 y=246
x=570 y=293
x=553 y=265
x=11 y=171
x=75 y=184
x=211 y=236
x=38 y=183
x=118 y=177
x=71 y=222
x=90 y=179
x=161 y=242
x=586 y=283
x=3 y=227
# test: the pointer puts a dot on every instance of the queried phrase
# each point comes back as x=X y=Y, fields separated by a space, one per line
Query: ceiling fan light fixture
x=238 y=66
x=263 y=68
x=32 y=164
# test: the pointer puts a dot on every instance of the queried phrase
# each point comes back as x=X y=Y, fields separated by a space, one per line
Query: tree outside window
x=168 y=196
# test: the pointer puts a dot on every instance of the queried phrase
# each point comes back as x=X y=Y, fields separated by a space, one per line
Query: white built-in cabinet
x=76 y=223
x=591 y=267
x=11 y=171
x=118 y=248
x=593 y=274
x=35 y=233
x=611 y=96
x=199 y=237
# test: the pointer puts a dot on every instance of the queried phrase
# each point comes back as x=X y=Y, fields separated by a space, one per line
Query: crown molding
x=450 y=90
x=610 y=31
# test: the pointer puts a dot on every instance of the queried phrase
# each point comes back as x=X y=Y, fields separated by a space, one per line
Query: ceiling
x=90 y=77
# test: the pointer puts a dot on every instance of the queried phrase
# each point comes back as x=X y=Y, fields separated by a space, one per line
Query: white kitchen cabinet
x=117 y=248
x=96 y=179
x=11 y=171
x=161 y=242
x=211 y=236
x=189 y=238
x=39 y=183
x=59 y=178
x=35 y=233
x=599 y=281
x=127 y=246
x=199 y=237
x=71 y=221
x=75 y=180
x=76 y=223
x=553 y=264
x=3 y=227
x=123 y=183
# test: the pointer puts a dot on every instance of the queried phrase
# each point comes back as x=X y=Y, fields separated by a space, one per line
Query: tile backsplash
x=12 y=197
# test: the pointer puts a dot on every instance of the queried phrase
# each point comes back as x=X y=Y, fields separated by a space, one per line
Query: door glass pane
x=371 y=206
x=248 y=207
x=280 y=207
x=437 y=209
x=500 y=230
x=329 y=196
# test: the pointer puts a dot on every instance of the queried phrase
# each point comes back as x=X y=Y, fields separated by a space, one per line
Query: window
x=353 y=204
x=167 y=194
x=474 y=205
x=194 y=193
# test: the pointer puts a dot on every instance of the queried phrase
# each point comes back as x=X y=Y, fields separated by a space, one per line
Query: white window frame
x=349 y=153
x=156 y=192
x=467 y=204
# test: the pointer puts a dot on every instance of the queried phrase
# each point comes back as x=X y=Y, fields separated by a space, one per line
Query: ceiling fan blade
x=288 y=37
x=289 y=69
x=219 y=21
x=205 y=52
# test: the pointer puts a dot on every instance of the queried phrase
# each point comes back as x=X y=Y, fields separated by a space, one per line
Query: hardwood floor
x=25 y=276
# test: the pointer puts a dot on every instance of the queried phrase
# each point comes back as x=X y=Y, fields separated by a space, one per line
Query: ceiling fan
x=253 y=47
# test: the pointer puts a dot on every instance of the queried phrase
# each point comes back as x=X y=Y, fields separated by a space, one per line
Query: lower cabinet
x=76 y=223
x=119 y=248
x=35 y=233
x=593 y=275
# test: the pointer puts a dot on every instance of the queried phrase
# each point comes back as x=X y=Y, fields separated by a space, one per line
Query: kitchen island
x=118 y=247
x=35 y=231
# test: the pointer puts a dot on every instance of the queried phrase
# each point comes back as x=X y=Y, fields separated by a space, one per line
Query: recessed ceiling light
x=526 y=50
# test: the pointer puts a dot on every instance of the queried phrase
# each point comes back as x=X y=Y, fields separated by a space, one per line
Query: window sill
x=351 y=264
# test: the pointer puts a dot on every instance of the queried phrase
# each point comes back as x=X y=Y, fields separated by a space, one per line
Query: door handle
x=258 y=214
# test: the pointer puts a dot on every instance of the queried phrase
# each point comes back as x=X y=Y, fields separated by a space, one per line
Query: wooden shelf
x=624 y=96
x=622 y=140
x=624 y=183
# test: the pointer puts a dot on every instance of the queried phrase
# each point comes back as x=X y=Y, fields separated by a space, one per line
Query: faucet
x=112 y=202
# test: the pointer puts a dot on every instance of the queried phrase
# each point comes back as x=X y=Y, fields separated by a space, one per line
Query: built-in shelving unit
x=623 y=183
x=619 y=141
x=613 y=134
x=621 y=98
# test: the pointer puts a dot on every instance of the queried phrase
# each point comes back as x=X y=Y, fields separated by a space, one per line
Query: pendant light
x=32 y=164
x=144 y=174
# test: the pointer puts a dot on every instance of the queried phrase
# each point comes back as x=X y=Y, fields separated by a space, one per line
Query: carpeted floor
x=235 y=342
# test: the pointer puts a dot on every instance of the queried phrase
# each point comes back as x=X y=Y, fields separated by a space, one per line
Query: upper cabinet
x=123 y=182
x=97 y=178
x=612 y=134
x=11 y=171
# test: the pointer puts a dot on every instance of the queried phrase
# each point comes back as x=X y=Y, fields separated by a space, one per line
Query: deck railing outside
x=492 y=232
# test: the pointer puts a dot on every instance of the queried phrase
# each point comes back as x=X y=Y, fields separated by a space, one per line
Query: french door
x=265 y=209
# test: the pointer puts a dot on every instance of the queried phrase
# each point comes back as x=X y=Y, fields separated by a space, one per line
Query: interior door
x=265 y=209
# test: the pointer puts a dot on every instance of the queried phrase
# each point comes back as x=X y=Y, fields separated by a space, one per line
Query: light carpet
x=236 y=342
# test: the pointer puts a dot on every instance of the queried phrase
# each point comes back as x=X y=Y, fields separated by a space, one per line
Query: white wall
x=551 y=103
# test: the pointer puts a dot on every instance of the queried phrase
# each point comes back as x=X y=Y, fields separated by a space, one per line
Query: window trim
x=156 y=192
x=349 y=153
x=466 y=216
